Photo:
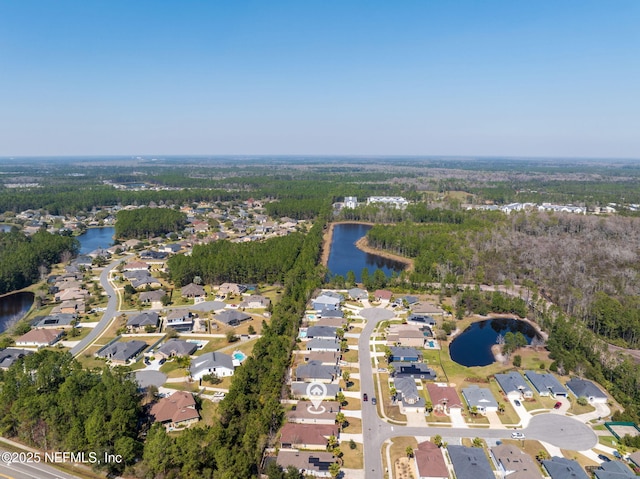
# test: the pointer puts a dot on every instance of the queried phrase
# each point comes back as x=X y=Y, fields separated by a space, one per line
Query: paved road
x=31 y=470
x=560 y=431
x=109 y=314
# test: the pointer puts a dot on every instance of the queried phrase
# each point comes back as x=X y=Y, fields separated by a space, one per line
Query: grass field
x=353 y=458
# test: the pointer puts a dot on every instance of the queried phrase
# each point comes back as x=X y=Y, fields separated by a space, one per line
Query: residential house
x=430 y=463
x=300 y=390
x=255 y=301
x=479 y=398
x=412 y=370
x=176 y=347
x=330 y=313
x=176 y=411
x=218 y=364
x=444 y=398
x=9 y=356
x=415 y=318
x=331 y=322
x=306 y=413
x=140 y=321
x=407 y=335
x=72 y=294
x=231 y=289
x=83 y=261
x=145 y=281
x=404 y=354
x=410 y=398
x=72 y=307
x=231 y=317
x=562 y=468
x=422 y=307
x=358 y=294
x=56 y=321
x=121 y=352
x=634 y=457
x=546 y=384
x=310 y=463
x=614 y=470
x=40 y=338
x=170 y=248
x=307 y=436
x=382 y=295
x=329 y=358
x=136 y=266
x=513 y=463
x=470 y=463
x=153 y=297
x=514 y=385
x=314 y=371
x=410 y=300
x=325 y=301
x=131 y=244
x=180 y=320
x=321 y=332
x=323 y=345
x=588 y=390
x=193 y=290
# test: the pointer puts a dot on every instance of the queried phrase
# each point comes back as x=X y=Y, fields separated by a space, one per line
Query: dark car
x=365 y=397
x=603 y=458
x=557 y=405
x=516 y=402
x=373 y=401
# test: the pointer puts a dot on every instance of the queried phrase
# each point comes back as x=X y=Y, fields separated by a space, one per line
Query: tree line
x=149 y=222
x=24 y=259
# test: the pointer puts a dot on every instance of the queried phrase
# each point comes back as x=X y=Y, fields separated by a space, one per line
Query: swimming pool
x=302 y=333
x=239 y=356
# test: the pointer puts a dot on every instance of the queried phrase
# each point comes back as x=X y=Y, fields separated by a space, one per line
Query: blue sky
x=448 y=77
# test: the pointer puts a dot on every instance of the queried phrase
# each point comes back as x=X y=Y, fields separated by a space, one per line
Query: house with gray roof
x=412 y=370
x=314 y=463
x=480 y=398
x=614 y=470
x=61 y=320
x=421 y=319
x=299 y=389
x=514 y=385
x=121 y=352
x=218 y=364
x=193 y=290
x=255 y=301
x=138 y=322
x=562 y=468
x=470 y=462
x=176 y=347
x=546 y=384
x=180 y=320
x=322 y=332
x=152 y=297
x=9 y=356
x=411 y=400
x=323 y=345
x=588 y=390
x=404 y=354
x=514 y=463
x=325 y=301
x=331 y=313
x=358 y=294
x=315 y=371
x=232 y=317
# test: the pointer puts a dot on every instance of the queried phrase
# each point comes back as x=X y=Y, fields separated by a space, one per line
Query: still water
x=473 y=346
x=95 y=238
x=13 y=307
x=344 y=256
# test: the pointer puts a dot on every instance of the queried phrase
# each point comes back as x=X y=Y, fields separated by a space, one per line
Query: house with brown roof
x=514 y=463
x=444 y=397
x=382 y=295
x=193 y=290
x=176 y=411
x=408 y=335
x=331 y=322
x=307 y=436
x=40 y=338
x=430 y=462
x=312 y=463
x=422 y=307
x=329 y=358
x=72 y=294
x=136 y=266
x=231 y=288
x=306 y=413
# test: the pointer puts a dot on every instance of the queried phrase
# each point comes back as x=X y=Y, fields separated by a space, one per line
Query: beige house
x=176 y=411
x=407 y=335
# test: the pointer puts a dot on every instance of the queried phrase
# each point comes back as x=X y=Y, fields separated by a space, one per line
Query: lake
x=95 y=238
x=13 y=307
x=344 y=256
x=472 y=347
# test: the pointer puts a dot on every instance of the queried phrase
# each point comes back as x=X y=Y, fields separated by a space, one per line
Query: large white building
x=350 y=202
x=397 y=201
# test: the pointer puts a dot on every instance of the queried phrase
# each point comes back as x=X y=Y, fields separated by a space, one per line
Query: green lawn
x=353 y=458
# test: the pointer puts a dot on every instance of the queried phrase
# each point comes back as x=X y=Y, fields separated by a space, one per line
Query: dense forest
x=223 y=261
x=49 y=401
x=25 y=259
x=149 y=222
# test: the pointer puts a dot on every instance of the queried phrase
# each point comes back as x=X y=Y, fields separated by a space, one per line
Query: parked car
x=365 y=397
x=603 y=458
x=617 y=455
x=516 y=402
x=162 y=361
x=373 y=401
x=557 y=405
x=517 y=435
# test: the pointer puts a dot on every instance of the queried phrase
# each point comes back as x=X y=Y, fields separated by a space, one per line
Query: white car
x=517 y=435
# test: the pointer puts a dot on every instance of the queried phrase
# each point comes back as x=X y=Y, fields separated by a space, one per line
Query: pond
x=472 y=347
x=13 y=307
x=344 y=256
x=95 y=238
